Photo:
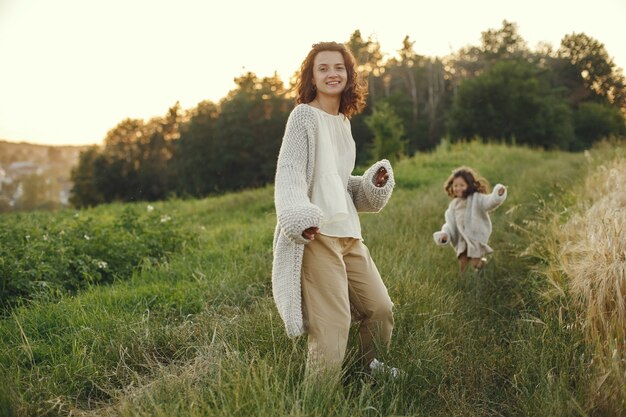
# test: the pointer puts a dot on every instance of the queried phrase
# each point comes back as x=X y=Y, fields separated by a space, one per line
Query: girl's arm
x=492 y=201
x=441 y=238
x=294 y=209
x=366 y=195
x=444 y=236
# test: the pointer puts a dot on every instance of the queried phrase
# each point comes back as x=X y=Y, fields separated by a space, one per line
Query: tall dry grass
x=593 y=259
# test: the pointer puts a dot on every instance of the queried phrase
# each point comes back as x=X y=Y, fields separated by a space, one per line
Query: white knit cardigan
x=477 y=221
x=295 y=212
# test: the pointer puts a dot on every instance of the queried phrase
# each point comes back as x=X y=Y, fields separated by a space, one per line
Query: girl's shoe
x=481 y=265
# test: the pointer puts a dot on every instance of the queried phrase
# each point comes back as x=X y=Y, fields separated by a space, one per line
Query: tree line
x=500 y=90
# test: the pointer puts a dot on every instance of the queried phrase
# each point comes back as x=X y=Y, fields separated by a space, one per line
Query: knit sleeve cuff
x=493 y=200
x=295 y=220
x=438 y=236
x=378 y=196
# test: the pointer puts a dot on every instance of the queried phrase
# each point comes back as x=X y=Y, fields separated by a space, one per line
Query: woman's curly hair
x=353 y=97
x=475 y=183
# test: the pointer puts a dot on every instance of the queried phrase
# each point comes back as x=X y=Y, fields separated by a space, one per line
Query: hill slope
x=193 y=331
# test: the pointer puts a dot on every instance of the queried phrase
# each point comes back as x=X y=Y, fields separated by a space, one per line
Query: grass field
x=180 y=321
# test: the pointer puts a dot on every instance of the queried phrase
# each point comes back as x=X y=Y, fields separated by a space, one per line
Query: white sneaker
x=378 y=367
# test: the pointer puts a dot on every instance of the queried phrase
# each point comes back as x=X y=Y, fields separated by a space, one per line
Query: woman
x=322 y=272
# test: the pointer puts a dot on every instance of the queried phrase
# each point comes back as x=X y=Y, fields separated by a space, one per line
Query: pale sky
x=73 y=69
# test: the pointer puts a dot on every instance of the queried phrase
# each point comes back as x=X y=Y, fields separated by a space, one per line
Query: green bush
x=512 y=101
x=44 y=255
x=593 y=121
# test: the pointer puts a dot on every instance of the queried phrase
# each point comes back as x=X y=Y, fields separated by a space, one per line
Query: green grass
x=196 y=333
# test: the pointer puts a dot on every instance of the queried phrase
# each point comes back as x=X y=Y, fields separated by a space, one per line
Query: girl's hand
x=381 y=177
x=501 y=191
x=309 y=234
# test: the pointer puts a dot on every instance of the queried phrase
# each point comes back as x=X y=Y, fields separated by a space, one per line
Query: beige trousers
x=338 y=272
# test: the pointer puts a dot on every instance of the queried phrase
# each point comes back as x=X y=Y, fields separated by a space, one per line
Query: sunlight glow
x=79 y=68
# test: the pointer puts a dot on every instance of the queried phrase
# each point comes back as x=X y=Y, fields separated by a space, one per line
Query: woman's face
x=329 y=73
x=459 y=186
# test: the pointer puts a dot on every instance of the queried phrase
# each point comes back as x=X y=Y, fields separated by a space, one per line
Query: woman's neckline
x=323 y=111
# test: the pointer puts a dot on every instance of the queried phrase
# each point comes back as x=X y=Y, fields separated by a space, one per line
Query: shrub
x=48 y=254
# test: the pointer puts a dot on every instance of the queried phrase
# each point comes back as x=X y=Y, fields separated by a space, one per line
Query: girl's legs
x=369 y=297
x=476 y=263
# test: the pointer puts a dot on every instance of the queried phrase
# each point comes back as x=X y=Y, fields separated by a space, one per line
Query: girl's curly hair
x=353 y=97
x=475 y=183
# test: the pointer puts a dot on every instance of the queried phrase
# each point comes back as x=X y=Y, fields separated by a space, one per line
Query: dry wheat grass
x=594 y=255
x=593 y=258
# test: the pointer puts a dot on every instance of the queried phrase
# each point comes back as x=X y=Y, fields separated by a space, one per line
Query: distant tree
x=134 y=163
x=388 y=133
x=503 y=43
x=496 y=45
x=411 y=70
x=589 y=72
x=369 y=59
x=404 y=78
x=248 y=133
x=510 y=101
x=438 y=101
x=85 y=191
x=116 y=172
x=498 y=89
x=156 y=151
x=154 y=170
x=417 y=91
x=194 y=151
x=594 y=121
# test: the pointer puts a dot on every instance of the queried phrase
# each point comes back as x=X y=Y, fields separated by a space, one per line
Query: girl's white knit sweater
x=295 y=212
x=477 y=221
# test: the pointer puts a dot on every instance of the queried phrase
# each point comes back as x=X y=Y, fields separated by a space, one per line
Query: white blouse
x=335 y=156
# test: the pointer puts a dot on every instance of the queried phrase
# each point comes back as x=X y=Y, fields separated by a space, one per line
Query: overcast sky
x=72 y=69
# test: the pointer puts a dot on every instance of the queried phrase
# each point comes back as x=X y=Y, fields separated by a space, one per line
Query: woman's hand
x=501 y=190
x=381 y=177
x=309 y=234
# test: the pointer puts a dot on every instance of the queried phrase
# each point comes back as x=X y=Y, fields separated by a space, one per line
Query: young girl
x=322 y=272
x=468 y=225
